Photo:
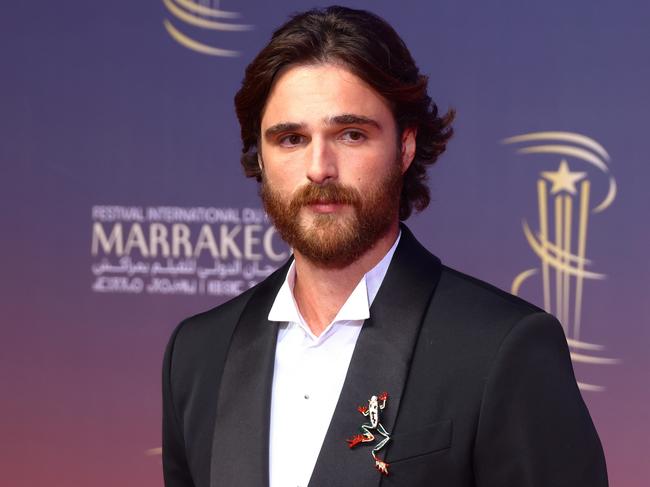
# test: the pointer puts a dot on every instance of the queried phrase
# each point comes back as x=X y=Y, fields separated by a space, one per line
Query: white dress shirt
x=309 y=374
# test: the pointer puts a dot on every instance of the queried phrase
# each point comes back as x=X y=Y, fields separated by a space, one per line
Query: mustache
x=330 y=193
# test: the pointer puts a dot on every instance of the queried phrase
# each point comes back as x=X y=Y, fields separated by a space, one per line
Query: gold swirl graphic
x=183 y=40
x=584 y=345
x=560 y=260
x=519 y=280
x=200 y=22
x=576 y=139
x=207 y=11
x=590 y=387
x=201 y=16
x=563 y=200
x=590 y=359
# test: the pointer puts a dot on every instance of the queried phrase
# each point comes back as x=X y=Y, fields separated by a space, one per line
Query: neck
x=320 y=292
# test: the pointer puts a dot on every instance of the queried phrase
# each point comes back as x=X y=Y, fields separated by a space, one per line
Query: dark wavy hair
x=369 y=48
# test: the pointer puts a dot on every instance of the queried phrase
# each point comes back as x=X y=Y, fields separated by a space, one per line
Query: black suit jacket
x=482 y=391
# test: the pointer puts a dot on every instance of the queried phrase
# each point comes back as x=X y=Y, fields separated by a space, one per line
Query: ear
x=408 y=147
x=260 y=163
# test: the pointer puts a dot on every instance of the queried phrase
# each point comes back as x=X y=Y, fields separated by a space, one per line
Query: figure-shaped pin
x=375 y=404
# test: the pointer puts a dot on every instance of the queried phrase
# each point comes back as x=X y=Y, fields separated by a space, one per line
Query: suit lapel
x=241 y=429
x=380 y=362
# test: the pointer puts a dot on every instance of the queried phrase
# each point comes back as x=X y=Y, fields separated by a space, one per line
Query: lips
x=321 y=206
x=322 y=201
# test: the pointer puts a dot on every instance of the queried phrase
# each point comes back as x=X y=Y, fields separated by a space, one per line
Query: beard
x=333 y=240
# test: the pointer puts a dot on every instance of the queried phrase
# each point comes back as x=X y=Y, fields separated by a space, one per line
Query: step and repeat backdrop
x=124 y=207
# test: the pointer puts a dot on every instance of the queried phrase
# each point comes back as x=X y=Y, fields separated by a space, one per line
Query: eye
x=353 y=136
x=291 y=140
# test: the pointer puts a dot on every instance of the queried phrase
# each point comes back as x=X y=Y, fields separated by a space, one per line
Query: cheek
x=282 y=182
x=369 y=172
x=281 y=168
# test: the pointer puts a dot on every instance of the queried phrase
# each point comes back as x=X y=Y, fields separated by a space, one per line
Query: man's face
x=332 y=163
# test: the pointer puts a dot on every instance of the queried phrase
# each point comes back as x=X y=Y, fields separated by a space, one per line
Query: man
x=363 y=360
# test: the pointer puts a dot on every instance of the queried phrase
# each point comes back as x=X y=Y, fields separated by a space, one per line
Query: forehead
x=312 y=93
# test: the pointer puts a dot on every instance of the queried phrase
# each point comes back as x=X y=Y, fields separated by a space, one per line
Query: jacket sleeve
x=534 y=429
x=175 y=466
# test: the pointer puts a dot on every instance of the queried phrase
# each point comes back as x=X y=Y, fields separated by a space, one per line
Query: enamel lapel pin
x=371 y=411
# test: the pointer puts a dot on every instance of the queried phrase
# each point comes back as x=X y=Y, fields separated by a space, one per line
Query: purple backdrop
x=125 y=209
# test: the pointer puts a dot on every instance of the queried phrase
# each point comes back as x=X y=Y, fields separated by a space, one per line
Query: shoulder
x=199 y=344
x=463 y=307
x=211 y=330
x=455 y=291
x=480 y=295
x=478 y=316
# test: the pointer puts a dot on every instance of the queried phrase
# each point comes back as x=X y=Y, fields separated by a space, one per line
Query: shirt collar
x=356 y=307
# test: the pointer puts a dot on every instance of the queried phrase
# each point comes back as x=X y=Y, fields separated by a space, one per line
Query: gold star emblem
x=563 y=179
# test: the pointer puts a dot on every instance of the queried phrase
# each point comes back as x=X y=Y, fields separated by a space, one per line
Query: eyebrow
x=343 y=119
x=352 y=119
x=283 y=127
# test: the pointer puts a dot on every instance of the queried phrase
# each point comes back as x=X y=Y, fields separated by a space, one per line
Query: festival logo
x=566 y=208
x=204 y=25
x=190 y=251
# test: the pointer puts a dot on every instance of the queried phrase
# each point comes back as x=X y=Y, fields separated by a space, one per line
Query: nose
x=322 y=164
